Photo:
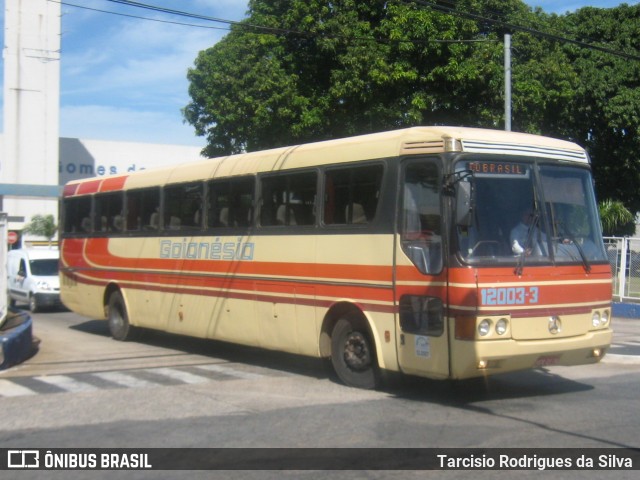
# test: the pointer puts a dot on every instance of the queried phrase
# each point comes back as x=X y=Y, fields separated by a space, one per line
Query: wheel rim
x=357 y=355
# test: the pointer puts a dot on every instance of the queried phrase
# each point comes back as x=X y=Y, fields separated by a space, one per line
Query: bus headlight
x=501 y=326
x=605 y=317
x=595 y=319
x=484 y=327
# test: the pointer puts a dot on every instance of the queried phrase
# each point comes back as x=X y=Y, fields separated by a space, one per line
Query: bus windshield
x=529 y=212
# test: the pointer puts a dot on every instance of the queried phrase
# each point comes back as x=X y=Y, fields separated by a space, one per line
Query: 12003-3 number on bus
x=510 y=295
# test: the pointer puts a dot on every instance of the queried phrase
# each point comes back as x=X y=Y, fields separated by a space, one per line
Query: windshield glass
x=527 y=213
x=571 y=211
x=44 y=268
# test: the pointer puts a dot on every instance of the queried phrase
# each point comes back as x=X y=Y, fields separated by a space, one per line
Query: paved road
x=84 y=389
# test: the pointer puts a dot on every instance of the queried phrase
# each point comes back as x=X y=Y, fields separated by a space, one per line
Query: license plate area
x=547 y=360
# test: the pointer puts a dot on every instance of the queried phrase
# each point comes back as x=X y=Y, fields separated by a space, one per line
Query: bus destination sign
x=497 y=168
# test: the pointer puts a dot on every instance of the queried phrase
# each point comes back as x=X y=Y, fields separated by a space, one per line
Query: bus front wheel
x=353 y=354
x=118 y=319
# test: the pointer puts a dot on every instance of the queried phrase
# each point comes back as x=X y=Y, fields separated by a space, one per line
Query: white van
x=32 y=277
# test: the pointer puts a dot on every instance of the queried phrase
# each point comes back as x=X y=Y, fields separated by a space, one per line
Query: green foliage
x=606 y=102
x=616 y=220
x=330 y=69
x=342 y=68
x=42 y=226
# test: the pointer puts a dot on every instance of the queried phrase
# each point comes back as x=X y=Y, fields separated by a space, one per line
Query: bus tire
x=118 y=319
x=353 y=354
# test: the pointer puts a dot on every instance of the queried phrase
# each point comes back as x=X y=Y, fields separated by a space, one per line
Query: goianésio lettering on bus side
x=216 y=250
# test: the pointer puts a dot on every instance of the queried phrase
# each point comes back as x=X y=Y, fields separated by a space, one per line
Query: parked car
x=32 y=278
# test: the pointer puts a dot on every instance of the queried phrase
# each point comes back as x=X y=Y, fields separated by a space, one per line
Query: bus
x=441 y=252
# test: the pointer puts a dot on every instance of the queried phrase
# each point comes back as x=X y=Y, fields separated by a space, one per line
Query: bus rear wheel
x=353 y=355
x=118 y=319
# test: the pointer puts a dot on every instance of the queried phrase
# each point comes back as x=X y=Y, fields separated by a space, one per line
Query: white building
x=83 y=158
x=31 y=105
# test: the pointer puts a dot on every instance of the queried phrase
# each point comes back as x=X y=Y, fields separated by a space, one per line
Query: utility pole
x=507 y=82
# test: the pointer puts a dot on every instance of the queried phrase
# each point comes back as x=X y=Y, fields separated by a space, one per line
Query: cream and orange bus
x=441 y=252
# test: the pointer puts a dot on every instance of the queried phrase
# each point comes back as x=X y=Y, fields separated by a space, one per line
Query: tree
x=606 y=103
x=42 y=226
x=333 y=69
x=617 y=220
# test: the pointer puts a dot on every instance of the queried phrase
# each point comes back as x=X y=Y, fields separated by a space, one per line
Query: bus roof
x=409 y=141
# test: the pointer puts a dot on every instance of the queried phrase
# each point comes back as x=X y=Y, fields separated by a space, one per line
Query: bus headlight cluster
x=501 y=327
x=599 y=318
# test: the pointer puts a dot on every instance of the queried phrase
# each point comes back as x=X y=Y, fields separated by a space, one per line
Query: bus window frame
x=65 y=217
x=207 y=206
x=385 y=208
x=202 y=184
x=385 y=177
x=260 y=204
x=140 y=231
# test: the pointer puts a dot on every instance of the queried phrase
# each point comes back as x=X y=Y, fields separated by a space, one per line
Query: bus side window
x=351 y=194
x=420 y=216
x=141 y=207
x=289 y=199
x=108 y=212
x=77 y=215
x=183 y=206
x=230 y=203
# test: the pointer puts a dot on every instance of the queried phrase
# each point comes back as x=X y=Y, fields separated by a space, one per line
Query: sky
x=124 y=78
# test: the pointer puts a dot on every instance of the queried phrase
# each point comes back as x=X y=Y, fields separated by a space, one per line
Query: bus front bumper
x=484 y=358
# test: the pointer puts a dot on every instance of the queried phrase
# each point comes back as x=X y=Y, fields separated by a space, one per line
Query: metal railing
x=624 y=257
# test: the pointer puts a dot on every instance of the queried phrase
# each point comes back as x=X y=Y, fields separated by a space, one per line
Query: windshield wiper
x=527 y=244
x=585 y=261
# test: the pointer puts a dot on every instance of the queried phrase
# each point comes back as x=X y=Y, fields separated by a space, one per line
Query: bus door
x=421 y=277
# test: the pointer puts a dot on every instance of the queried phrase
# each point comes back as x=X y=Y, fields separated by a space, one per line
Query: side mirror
x=465 y=202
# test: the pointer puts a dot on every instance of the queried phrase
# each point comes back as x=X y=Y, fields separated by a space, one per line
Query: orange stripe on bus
x=112 y=184
x=88 y=187
x=251 y=295
x=150 y=280
x=97 y=252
